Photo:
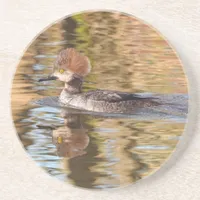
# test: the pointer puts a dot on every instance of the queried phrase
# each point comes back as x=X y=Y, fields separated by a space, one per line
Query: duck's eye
x=59 y=139
x=61 y=71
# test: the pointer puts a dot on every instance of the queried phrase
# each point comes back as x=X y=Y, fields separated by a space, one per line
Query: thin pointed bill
x=49 y=78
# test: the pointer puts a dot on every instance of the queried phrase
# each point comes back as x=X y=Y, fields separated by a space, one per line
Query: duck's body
x=71 y=67
x=106 y=101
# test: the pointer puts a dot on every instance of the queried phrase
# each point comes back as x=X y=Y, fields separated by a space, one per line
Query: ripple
x=152 y=147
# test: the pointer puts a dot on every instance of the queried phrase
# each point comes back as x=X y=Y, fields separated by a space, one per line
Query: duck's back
x=109 y=101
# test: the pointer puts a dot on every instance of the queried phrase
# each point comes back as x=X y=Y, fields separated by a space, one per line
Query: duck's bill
x=49 y=78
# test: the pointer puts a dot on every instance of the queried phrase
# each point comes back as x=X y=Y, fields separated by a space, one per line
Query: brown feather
x=70 y=59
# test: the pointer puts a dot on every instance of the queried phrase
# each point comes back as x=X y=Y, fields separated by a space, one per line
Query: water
x=98 y=151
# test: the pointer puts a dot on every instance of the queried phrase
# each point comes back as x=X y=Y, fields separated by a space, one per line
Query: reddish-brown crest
x=70 y=59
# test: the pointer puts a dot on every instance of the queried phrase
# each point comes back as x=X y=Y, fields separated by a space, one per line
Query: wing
x=113 y=96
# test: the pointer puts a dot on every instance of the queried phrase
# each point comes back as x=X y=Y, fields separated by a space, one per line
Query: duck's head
x=68 y=64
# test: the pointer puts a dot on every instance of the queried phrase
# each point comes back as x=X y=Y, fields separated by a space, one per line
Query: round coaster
x=99 y=100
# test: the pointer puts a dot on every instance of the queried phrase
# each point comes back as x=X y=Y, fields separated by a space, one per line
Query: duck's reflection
x=73 y=143
x=87 y=158
x=71 y=140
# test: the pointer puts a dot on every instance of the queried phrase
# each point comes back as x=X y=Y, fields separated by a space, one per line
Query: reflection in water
x=82 y=153
x=72 y=139
x=90 y=150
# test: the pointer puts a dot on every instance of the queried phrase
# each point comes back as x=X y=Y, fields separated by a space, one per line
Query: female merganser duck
x=71 y=67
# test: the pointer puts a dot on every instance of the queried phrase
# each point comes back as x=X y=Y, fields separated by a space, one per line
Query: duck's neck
x=74 y=86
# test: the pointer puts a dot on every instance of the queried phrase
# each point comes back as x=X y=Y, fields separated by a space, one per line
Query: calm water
x=88 y=150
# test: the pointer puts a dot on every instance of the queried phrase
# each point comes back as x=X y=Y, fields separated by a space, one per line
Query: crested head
x=71 y=60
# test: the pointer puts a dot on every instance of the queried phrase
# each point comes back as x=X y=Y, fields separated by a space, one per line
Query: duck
x=71 y=67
